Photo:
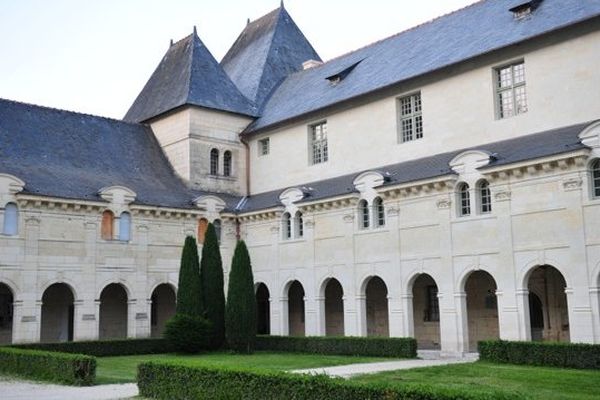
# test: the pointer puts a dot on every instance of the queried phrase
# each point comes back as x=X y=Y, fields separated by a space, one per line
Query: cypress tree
x=211 y=275
x=240 y=316
x=189 y=293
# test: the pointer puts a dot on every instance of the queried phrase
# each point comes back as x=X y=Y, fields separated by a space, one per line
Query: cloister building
x=443 y=183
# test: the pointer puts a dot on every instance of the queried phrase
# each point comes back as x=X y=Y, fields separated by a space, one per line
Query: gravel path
x=24 y=390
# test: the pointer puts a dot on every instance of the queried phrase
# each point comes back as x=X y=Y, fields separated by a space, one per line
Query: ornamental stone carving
x=443 y=204
x=572 y=184
x=503 y=195
x=349 y=218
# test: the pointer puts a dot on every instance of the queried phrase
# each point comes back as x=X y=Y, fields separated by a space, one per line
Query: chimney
x=311 y=64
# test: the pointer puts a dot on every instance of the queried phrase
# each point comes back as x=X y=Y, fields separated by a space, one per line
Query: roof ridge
x=62 y=110
x=188 y=82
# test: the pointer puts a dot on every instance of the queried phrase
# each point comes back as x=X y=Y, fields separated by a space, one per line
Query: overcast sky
x=95 y=56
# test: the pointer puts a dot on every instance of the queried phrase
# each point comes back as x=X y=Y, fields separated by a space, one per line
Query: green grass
x=123 y=369
x=537 y=382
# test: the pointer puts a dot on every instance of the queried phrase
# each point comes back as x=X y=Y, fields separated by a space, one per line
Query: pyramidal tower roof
x=188 y=74
x=267 y=50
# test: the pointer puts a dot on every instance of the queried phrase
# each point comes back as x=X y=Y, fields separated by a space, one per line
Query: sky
x=95 y=56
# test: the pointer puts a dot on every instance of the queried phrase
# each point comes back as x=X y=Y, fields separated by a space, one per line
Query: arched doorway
x=263 y=310
x=482 y=308
x=164 y=301
x=426 y=312
x=376 y=293
x=6 y=314
x=296 y=317
x=547 y=285
x=334 y=308
x=57 y=314
x=113 y=312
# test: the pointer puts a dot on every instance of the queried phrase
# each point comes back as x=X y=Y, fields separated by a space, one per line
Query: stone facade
x=528 y=268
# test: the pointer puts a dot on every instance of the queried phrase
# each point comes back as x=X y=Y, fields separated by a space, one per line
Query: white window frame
x=512 y=89
x=364 y=215
x=213 y=167
x=125 y=226
x=227 y=163
x=484 y=196
x=11 y=219
x=318 y=147
x=378 y=213
x=595 y=178
x=264 y=147
x=414 y=117
x=286 y=226
x=463 y=195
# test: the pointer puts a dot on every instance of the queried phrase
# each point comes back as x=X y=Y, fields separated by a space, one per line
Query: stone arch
x=164 y=301
x=58 y=310
x=332 y=292
x=532 y=265
x=296 y=309
x=549 y=284
x=7 y=299
x=263 y=308
x=375 y=292
x=481 y=307
x=424 y=292
x=114 y=310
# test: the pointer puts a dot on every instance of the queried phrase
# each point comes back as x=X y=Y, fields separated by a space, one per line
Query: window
x=287 y=226
x=379 y=212
x=214 y=162
x=596 y=178
x=363 y=212
x=318 y=143
x=464 y=200
x=11 y=219
x=263 y=147
x=227 y=163
x=106 y=228
x=125 y=227
x=432 y=312
x=511 y=94
x=411 y=118
x=485 y=198
x=217 y=225
x=299 y=224
x=202 y=226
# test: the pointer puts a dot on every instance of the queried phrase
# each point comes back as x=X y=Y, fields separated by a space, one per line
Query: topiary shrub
x=189 y=294
x=240 y=313
x=211 y=276
x=188 y=334
x=104 y=348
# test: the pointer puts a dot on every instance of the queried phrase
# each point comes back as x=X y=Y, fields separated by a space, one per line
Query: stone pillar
x=284 y=328
x=595 y=302
x=524 y=326
x=361 y=314
x=462 y=321
x=311 y=316
x=321 y=315
x=312 y=307
x=278 y=303
x=86 y=323
x=354 y=301
x=143 y=308
x=408 y=317
x=131 y=318
x=396 y=309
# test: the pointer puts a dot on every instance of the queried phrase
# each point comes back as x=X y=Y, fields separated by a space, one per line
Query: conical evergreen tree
x=211 y=275
x=240 y=313
x=189 y=294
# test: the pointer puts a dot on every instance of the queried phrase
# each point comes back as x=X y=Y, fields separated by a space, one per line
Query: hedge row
x=104 y=348
x=70 y=369
x=170 y=381
x=564 y=355
x=351 y=346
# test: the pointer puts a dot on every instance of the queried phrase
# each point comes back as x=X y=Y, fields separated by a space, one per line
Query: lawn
x=537 y=382
x=123 y=369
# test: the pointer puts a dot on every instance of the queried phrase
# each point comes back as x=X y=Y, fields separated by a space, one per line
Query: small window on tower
x=263 y=147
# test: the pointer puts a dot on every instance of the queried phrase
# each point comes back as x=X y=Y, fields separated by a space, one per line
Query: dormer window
x=524 y=10
x=337 y=78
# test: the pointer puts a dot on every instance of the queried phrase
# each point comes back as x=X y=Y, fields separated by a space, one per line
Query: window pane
x=521 y=99
x=505 y=101
x=214 y=161
x=124 y=226
x=319 y=143
x=596 y=178
x=485 y=197
x=11 y=219
x=407 y=130
x=505 y=77
x=519 y=73
x=406 y=106
x=465 y=200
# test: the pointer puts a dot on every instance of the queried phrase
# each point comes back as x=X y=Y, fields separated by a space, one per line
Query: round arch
x=163 y=304
x=530 y=267
x=424 y=295
x=7 y=299
x=548 y=283
x=481 y=303
x=376 y=306
x=109 y=282
x=263 y=308
x=332 y=293
x=58 y=311
x=295 y=294
x=114 y=310
x=68 y=283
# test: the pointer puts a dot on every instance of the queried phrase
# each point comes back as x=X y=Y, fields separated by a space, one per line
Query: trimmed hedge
x=344 y=346
x=70 y=369
x=104 y=348
x=563 y=355
x=170 y=381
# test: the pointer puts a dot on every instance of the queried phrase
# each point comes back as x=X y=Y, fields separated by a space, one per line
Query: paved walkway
x=24 y=390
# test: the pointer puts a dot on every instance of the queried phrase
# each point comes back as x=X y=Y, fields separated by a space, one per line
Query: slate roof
x=70 y=155
x=267 y=50
x=544 y=144
x=464 y=34
x=188 y=75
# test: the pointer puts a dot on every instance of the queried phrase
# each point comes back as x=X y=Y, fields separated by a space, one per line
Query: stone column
x=595 y=302
x=396 y=310
x=312 y=308
x=408 y=317
x=131 y=318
